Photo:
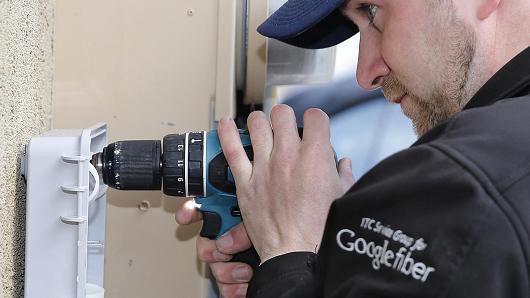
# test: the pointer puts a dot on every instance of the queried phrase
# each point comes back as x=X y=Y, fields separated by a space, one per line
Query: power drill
x=184 y=165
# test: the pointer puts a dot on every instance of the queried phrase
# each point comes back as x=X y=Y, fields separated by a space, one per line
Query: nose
x=371 y=67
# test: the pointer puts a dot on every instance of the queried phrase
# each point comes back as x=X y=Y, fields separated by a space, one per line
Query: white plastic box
x=65 y=216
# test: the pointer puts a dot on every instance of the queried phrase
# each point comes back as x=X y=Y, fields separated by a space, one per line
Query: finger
x=233 y=150
x=260 y=135
x=188 y=213
x=231 y=273
x=232 y=290
x=208 y=253
x=346 y=173
x=236 y=240
x=316 y=126
x=284 y=126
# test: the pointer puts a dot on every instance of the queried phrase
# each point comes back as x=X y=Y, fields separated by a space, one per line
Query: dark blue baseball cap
x=311 y=24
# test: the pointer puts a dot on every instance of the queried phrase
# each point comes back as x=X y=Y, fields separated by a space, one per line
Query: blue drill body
x=219 y=206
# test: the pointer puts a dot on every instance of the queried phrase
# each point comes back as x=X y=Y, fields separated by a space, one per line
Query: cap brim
x=312 y=24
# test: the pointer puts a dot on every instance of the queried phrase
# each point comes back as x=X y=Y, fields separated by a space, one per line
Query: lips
x=399 y=99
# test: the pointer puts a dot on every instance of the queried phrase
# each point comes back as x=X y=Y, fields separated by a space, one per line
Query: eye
x=370 y=10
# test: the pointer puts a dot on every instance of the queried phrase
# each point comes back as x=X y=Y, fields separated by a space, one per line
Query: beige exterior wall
x=145 y=68
x=26 y=65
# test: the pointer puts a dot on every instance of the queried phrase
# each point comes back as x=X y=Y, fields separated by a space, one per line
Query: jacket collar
x=512 y=80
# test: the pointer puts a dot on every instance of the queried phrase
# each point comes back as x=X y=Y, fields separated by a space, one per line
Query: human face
x=419 y=52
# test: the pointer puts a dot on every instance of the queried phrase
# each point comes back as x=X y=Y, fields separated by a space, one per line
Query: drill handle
x=220 y=213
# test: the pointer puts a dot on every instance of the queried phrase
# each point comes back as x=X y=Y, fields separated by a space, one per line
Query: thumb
x=235 y=241
x=346 y=174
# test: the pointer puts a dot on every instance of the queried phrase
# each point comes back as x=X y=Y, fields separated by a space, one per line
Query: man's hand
x=232 y=277
x=308 y=159
x=285 y=193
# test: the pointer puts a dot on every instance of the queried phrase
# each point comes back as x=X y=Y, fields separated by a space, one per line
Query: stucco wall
x=26 y=28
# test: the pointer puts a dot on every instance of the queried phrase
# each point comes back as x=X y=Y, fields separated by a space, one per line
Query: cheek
x=408 y=45
x=407 y=55
x=397 y=53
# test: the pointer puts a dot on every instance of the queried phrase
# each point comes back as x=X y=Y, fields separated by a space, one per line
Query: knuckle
x=320 y=146
x=283 y=165
x=318 y=152
x=231 y=154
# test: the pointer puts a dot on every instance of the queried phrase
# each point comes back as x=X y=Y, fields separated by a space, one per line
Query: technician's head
x=431 y=56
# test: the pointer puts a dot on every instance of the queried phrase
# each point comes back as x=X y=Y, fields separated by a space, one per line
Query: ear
x=486 y=8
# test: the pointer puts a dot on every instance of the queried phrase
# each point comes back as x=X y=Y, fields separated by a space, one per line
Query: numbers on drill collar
x=183 y=160
x=195 y=164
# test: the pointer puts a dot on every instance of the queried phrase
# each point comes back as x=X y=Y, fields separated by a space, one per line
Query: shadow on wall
x=154 y=199
x=19 y=238
x=149 y=201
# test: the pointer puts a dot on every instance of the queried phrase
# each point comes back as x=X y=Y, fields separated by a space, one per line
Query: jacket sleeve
x=289 y=275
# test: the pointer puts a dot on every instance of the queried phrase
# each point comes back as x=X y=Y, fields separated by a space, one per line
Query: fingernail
x=225 y=242
x=241 y=274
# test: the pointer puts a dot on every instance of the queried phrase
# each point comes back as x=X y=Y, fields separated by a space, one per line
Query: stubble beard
x=449 y=93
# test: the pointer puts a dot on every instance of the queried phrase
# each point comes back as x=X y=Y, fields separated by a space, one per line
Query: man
x=448 y=217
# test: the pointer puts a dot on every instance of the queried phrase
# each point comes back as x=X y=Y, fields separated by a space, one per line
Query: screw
x=144 y=206
x=190 y=12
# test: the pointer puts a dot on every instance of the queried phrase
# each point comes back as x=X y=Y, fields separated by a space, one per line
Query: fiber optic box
x=65 y=216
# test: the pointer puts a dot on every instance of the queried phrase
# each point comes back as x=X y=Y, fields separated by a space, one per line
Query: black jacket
x=448 y=217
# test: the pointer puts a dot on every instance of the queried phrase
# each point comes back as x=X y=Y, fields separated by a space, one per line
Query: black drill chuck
x=131 y=165
x=142 y=165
